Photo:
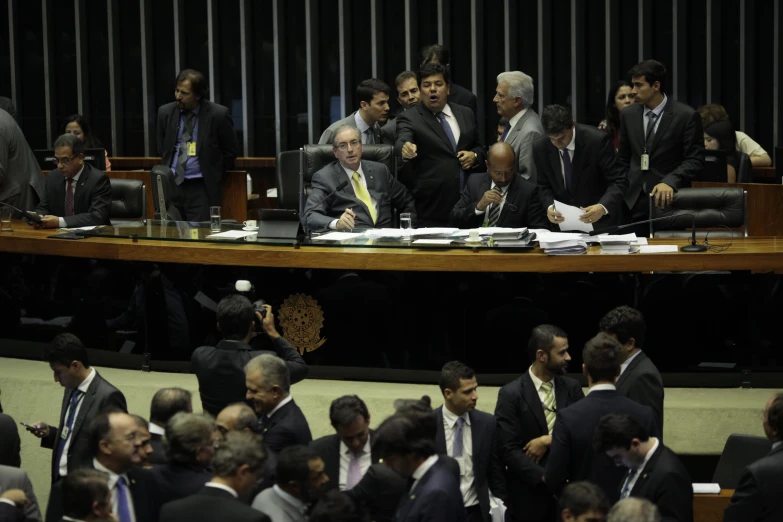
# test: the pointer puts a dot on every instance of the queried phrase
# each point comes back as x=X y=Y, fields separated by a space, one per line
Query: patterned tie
x=354 y=472
x=568 y=173
x=363 y=195
x=494 y=211
x=626 y=491
x=549 y=405
x=650 y=130
x=123 y=507
x=506 y=128
x=69 y=198
x=370 y=138
x=187 y=136
x=457 y=440
x=75 y=396
x=450 y=135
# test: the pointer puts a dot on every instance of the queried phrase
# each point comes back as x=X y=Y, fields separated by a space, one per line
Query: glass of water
x=406 y=225
x=214 y=218
x=5 y=219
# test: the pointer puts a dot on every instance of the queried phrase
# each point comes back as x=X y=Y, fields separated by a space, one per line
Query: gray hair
x=633 y=509
x=519 y=84
x=342 y=128
x=239 y=449
x=273 y=370
x=71 y=141
x=185 y=434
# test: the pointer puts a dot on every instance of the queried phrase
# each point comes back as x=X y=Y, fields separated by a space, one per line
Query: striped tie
x=549 y=405
x=494 y=211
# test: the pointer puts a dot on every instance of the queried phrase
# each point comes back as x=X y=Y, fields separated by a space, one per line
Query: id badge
x=191 y=148
x=64 y=434
x=461 y=462
x=645 y=162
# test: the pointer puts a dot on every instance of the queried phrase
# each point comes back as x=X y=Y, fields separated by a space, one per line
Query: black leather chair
x=128 y=201
x=287 y=166
x=162 y=177
x=739 y=452
x=713 y=208
x=744 y=169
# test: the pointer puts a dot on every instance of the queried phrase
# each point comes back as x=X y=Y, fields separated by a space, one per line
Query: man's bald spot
x=232 y=414
x=501 y=153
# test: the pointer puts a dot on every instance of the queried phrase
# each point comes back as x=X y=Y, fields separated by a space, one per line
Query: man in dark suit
x=654 y=471
x=379 y=492
x=577 y=165
x=572 y=456
x=12 y=502
x=661 y=142
x=639 y=379
x=166 y=403
x=86 y=394
x=220 y=369
x=237 y=465
x=77 y=194
x=10 y=443
x=268 y=388
x=373 y=96
x=526 y=413
x=408 y=96
x=468 y=435
x=437 y=54
x=433 y=495
x=500 y=197
x=196 y=138
x=21 y=181
x=7 y=105
x=86 y=496
x=370 y=191
x=757 y=497
x=441 y=140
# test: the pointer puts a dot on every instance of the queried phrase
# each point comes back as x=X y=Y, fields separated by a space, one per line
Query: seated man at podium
x=77 y=194
x=350 y=193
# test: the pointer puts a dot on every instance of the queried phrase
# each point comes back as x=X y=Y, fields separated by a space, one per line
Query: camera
x=246 y=288
x=258 y=306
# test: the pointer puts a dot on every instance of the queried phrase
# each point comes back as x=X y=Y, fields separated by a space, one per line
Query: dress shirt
x=63 y=464
x=466 y=480
x=280 y=405
x=298 y=504
x=192 y=165
x=513 y=121
x=628 y=361
x=365 y=461
x=452 y=121
x=746 y=144
x=421 y=470
x=61 y=219
x=639 y=470
x=776 y=444
x=363 y=181
x=503 y=191
x=70 y=519
x=223 y=487
x=602 y=387
x=113 y=478
x=7 y=501
x=154 y=429
x=537 y=384
x=362 y=127
x=658 y=110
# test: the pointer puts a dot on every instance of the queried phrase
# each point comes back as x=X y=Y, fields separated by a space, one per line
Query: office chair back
x=714 y=208
x=739 y=452
x=128 y=199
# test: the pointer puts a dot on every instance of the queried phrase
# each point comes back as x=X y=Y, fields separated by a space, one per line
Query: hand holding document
x=571 y=216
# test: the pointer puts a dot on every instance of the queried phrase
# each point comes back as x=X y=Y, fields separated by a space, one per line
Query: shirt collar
x=659 y=109
x=360 y=123
x=298 y=504
x=628 y=361
x=70 y=519
x=648 y=456
x=503 y=190
x=154 y=429
x=777 y=444
x=113 y=477
x=514 y=119
x=365 y=450
x=350 y=172
x=451 y=418
x=76 y=177
x=536 y=381
x=194 y=111
x=602 y=387
x=223 y=487
x=87 y=381
x=424 y=467
x=572 y=144
x=280 y=405
x=447 y=111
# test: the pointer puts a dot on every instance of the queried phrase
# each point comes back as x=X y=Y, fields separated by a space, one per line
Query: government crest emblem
x=302 y=319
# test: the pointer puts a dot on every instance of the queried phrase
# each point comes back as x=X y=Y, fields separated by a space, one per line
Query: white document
x=546 y=236
x=702 y=489
x=445 y=231
x=336 y=236
x=571 y=215
x=488 y=231
x=231 y=234
x=658 y=249
x=432 y=242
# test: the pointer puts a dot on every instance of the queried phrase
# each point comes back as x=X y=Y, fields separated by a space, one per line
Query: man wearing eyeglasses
x=368 y=193
x=77 y=194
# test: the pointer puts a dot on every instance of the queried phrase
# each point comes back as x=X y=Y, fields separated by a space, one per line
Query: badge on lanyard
x=645 y=161
x=191 y=148
x=64 y=434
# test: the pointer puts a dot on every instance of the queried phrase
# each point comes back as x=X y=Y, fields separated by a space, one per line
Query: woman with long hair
x=619 y=98
x=78 y=125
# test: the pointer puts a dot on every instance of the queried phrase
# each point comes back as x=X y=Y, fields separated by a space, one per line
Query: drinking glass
x=5 y=219
x=406 y=225
x=214 y=218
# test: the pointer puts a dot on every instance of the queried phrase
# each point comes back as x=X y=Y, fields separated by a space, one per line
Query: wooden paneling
x=765 y=175
x=765 y=207
x=709 y=508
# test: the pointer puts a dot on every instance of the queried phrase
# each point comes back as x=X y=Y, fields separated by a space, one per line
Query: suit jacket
x=757 y=497
x=436 y=498
x=21 y=180
x=520 y=417
x=216 y=146
x=328 y=448
x=91 y=201
x=598 y=176
x=676 y=152
x=462 y=96
x=175 y=481
x=381 y=185
x=571 y=456
x=379 y=492
x=100 y=394
x=220 y=370
x=405 y=174
x=665 y=482
x=641 y=382
x=272 y=504
x=9 y=513
x=7 y=105
x=15 y=478
x=208 y=505
x=327 y=138
x=287 y=427
x=158 y=451
x=436 y=167
x=487 y=469
x=10 y=443
x=521 y=138
x=521 y=209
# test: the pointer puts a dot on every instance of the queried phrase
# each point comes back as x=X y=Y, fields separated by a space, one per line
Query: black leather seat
x=287 y=166
x=714 y=208
x=128 y=201
x=745 y=169
x=739 y=452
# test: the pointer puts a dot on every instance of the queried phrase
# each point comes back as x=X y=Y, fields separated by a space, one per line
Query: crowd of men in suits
x=548 y=453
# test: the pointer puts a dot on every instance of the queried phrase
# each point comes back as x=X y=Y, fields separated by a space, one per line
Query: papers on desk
x=232 y=234
x=433 y=241
x=336 y=236
x=571 y=216
x=706 y=489
x=495 y=232
x=658 y=249
x=398 y=233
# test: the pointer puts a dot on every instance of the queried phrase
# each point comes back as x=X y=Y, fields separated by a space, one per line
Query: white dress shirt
x=421 y=470
x=223 y=487
x=363 y=181
x=280 y=405
x=154 y=429
x=61 y=221
x=113 y=478
x=640 y=469
x=503 y=192
x=466 y=480
x=602 y=387
x=365 y=461
x=362 y=127
x=513 y=121
x=775 y=445
x=628 y=361
x=658 y=110
x=537 y=385
x=63 y=464
x=69 y=519
x=452 y=121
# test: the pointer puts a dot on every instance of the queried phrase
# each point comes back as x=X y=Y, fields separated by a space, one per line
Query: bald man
x=500 y=197
x=241 y=417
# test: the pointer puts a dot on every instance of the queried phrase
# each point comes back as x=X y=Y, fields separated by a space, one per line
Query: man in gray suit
x=7 y=104
x=21 y=180
x=373 y=96
x=301 y=480
x=368 y=194
x=15 y=478
x=513 y=97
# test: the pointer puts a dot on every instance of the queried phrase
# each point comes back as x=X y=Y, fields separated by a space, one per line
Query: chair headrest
x=712 y=207
x=318 y=156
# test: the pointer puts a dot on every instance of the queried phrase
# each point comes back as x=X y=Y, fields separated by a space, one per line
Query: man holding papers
x=577 y=164
x=500 y=197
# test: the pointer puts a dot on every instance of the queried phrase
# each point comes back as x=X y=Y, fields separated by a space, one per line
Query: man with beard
x=525 y=413
x=373 y=96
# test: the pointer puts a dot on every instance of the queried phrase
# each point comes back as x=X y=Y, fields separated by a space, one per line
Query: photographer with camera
x=220 y=369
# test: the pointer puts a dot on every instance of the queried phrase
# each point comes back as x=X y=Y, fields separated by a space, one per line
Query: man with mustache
x=525 y=413
x=373 y=96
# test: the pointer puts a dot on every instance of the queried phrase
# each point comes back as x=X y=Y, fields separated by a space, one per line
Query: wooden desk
x=765 y=206
x=762 y=255
x=709 y=508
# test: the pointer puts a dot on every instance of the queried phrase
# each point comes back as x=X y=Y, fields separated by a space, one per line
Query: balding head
x=633 y=509
x=501 y=164
x=236 y=417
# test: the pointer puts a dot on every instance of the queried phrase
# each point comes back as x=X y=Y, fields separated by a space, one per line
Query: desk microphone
x=693 y=247
x=341 y=186
x=35 y=218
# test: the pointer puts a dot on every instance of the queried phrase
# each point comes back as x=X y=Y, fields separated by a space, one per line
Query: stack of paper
x=620 y=244
x=563 y=246
x=336 y=236
x=494 y=232
x=232 y=234
x=706 y=488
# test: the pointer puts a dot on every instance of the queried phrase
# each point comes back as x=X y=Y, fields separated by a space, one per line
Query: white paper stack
x=336 y=236
x=232 y=234
x=564 y=247
x=705 y=488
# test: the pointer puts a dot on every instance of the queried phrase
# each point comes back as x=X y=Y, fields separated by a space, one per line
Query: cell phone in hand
x=30 y=426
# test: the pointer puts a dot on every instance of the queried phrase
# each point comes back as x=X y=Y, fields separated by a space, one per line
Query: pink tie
x=354 y=472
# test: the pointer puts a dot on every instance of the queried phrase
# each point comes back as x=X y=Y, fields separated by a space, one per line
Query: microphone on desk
x=693 y=247
x=341 y=186
x=35 y=218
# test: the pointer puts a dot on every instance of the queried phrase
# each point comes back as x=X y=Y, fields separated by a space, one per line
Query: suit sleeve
x=4 y=148
x=510 y=443
x=401 y=197
x=10 y=451
x=525 y=164
x=558 y=465
x=227 y=138
x=536 y=215
x=624 y=149
x=405 y=134
x=496 y=477
x=297 y=367
x=692 y=153
x=32 y=512
x=115 y=400
x=50 y=440
x=546 y=192
x=675 y=500
x=100 y=205
x=315 y=212
x=463 y=215
x=648 y=390
x=476 y=146
x=10 y=513
x=439 y=506
x=616 y=178
x=747 y=502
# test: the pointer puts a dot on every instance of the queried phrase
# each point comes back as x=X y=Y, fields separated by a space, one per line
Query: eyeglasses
x=63 y=161
x=344 y=146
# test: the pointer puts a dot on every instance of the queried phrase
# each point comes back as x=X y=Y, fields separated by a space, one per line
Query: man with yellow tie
x=367 y=197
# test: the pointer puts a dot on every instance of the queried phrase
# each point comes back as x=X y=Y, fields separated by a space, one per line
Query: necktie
x=75 y=395
x=506 y=128
x=69 y=198
x=568 y=173
x=354 y=472
x=450 y=135
x=494 y=211
x=457 y=445
x=650 y=130
x=370 y=137
x=187 y=136
x=627 y=485
x=363 y=195
x=123 y=506
x=549 y=405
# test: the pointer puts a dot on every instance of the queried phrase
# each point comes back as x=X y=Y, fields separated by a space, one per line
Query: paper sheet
x=571 y=215
x=657 y=249
x=700 y=488
x=432 y=242
x=231 y=234
x=488 y=231
x=336 y=236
